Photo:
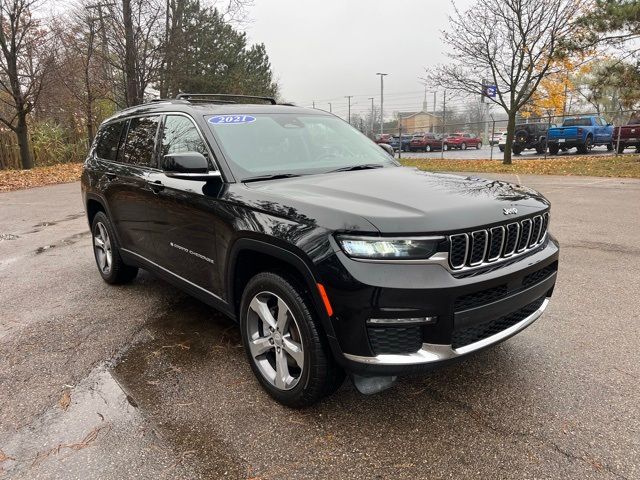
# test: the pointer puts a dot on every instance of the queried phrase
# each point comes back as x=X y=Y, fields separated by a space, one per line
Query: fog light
x=403 y=321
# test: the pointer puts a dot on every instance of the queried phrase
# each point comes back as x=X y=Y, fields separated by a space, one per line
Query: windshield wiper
x=364 y=166
x=275 y=176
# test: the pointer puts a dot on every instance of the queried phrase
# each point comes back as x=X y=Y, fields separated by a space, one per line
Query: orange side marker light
x=325 y=299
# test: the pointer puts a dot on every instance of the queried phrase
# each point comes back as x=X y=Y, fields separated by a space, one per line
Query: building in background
x=418 y=122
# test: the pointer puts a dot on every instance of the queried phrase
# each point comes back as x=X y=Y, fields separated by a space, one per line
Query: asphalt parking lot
x=142 y=381
x=485 y=152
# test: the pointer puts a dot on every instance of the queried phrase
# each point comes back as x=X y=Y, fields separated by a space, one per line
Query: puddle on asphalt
x=64 y=242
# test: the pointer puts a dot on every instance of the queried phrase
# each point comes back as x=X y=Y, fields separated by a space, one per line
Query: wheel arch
x=250 y=256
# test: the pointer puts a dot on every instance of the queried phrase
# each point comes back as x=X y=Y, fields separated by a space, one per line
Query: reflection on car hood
x=398 y=200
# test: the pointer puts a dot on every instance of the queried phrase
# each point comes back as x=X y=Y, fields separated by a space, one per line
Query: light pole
x=330 y=111
x=382 y=75
x=349 y=97
x=372 y=114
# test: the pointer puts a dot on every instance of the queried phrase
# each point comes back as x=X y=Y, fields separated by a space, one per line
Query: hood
x=399 y=200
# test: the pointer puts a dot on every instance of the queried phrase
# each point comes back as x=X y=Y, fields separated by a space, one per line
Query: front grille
x=482 y=247
x=480 y=331
x=395 y=340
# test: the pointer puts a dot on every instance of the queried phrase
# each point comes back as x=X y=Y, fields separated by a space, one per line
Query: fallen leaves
x=39 y=176
x=65 y=400
x=627 y=166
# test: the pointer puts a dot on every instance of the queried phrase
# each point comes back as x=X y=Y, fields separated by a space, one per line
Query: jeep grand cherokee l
x=331 y=256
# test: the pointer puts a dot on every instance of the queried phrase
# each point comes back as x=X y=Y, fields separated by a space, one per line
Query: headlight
x=380 y=248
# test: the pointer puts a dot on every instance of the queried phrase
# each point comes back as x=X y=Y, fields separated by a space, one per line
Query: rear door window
x=139 y=148
x=108 y=141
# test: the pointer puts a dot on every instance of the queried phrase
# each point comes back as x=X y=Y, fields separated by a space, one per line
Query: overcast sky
x=324 y=50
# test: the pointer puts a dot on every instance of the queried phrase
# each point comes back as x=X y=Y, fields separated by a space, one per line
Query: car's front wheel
x=106 y=252
x=283 y=340
x=427 y=148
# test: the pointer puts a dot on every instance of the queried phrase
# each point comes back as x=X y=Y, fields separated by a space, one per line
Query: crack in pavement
x=517 y=435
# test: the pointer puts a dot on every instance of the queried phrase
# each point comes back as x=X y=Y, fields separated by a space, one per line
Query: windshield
x=281 y=143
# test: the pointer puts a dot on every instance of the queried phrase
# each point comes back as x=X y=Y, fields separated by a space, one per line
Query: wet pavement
x=142 y=381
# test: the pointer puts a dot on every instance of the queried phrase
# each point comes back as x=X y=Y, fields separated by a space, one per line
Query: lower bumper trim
x=433 y=353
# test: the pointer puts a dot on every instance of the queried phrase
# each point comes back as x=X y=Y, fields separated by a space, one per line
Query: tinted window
x=107 y=141
x=577 y=122
x=141 y=138
x=181 y=135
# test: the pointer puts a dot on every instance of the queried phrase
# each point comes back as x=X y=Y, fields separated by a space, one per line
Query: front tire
x=554 y=148
x=621 y=148
x=463 y=146
x=107 y=253
x=479 y=145
x=427 y=148
x=284 y=343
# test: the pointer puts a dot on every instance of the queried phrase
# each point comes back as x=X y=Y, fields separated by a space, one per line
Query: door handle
x=156 y=186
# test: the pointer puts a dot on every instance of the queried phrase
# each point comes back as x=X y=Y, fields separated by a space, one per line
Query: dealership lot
x=143 y=382
x=485 y=153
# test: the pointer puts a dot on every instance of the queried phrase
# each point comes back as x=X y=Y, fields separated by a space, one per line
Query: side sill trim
x=432 y=353
x=174 y=275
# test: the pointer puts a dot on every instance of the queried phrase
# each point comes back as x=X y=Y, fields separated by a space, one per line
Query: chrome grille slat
x=488 y=246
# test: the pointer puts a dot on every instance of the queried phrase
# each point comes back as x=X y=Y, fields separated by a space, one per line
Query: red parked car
x=425 y=142
x=383 y=138
x=462 y=141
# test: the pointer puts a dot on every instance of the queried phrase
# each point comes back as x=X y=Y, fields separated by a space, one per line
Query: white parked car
x=503 y=141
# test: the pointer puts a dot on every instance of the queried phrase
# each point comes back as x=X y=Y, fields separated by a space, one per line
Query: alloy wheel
x=102 y=248
x=275 y=342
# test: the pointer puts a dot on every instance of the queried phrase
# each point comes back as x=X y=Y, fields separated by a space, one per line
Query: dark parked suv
x=331 y=256
x=530 y=136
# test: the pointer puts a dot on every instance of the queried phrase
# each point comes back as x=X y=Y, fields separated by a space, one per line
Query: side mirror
x=387 y=148
x=187 y=165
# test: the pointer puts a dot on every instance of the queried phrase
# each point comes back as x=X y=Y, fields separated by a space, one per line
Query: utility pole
x=372 y=115
x=330 y=111
x=444 y=119
x=433 y=128
x=382 y=75
x=349 y=97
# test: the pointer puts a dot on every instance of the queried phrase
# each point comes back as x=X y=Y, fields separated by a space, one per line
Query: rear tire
x=285 y=345
x=463 y=146
x=107 y=252
x=586 y=147
x=610 y=147
x=479 y=146
x=621 y=148
x=501 y=149
x=554 y=148
x=517 y=150
x=427 y=148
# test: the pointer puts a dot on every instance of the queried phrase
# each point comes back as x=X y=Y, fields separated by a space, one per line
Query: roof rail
x=226 y=97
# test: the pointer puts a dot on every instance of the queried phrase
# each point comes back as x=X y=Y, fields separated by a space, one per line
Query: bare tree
x=24 y=61
x=511 y=44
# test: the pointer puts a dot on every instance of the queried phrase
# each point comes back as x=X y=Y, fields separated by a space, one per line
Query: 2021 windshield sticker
x=231 y=119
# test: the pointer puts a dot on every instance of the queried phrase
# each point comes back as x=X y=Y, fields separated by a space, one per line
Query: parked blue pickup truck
x=583 y=133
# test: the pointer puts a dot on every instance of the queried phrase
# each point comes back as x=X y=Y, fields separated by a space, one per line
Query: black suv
x=530 y=136
x=330 y=255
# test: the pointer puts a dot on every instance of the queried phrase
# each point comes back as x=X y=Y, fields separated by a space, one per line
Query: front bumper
x=473 y=311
